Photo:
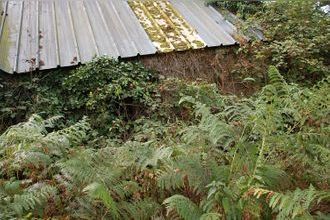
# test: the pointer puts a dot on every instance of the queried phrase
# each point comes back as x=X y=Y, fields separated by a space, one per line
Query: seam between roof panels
x=2 y=27
x=18 y=41
x=221 y=32
x=91 y=29
x=107 y=29
x=57 y=47
x=141 y=30
x=38 y=37
x=184 y=28
x=74 y=35
x=3 y=19
x=124 y=28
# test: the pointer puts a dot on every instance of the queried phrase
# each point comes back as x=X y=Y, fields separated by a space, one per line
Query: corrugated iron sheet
x=165 y=26
x=45 y=34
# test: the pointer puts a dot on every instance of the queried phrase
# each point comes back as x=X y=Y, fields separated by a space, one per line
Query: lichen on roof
x=167 y=29
x=4 y=42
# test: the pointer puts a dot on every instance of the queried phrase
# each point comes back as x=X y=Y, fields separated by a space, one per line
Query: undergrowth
x=198 y=155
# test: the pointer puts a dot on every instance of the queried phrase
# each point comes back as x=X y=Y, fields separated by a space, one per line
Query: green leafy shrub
x=298 y=39
x=109 y=84
x=242 y=8
x=108 y=88
x=104 y=88
x=23 y=95
x=15 y=99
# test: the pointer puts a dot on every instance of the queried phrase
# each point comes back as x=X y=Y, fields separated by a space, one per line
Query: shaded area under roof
x=46 y=34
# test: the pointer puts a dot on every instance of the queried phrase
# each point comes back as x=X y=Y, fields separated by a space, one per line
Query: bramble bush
x=296 y=41
x=105 y=89
x=298 y=38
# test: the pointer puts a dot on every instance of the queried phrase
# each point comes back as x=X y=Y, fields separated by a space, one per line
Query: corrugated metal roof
x=167 y=29
x=45 y=34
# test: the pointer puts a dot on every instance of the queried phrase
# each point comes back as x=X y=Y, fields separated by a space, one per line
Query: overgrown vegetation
x=112 y=140
x=241 y=8
x=298 y=32
x=234 y=158
x=296 y=36
x=105 y=90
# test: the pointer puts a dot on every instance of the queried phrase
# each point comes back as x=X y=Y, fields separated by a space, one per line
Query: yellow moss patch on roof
x=166 y=28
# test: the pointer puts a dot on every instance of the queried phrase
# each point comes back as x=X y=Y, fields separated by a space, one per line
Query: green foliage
x=109 y=90
x=15 y=99
x=267 y=130
x=109 y=85
x=232 y=158
x=36 y=195
x=183 y=206
x=105 y=89
x=199 y=155
x=293 y=204
x=28 y=154
x=243 y=8
x=99 y=191
x=298 y=39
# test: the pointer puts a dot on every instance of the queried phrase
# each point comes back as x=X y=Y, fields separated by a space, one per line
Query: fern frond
x=277 y=85
x=79 y=168
x=185 y=171
x=185 y=208
x=35 y=195
x=277 y=80
x=211 y=129
x=77 y=132
x=25 y=132
x=210 y=216
x=293 y=204
x=158 y=155
x=99 y=191
x=139 y=210
x=273 y=177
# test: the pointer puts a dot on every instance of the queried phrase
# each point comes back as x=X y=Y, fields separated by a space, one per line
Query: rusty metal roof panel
x=45 y=34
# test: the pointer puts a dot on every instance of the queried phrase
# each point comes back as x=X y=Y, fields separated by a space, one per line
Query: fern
x=210 y=216
x=235 y=159
x=211 y=129
x=169 y=177
x=188 y=210
x=28 y=150
x=140 y=210
x=187 y=171
x=185 y=208
x=277 y=87
x=96 y=174
x=30 y=145
x=293 y=204
x=99 y=191
x=158 y=155
x=36 y=195
x=88 y=166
